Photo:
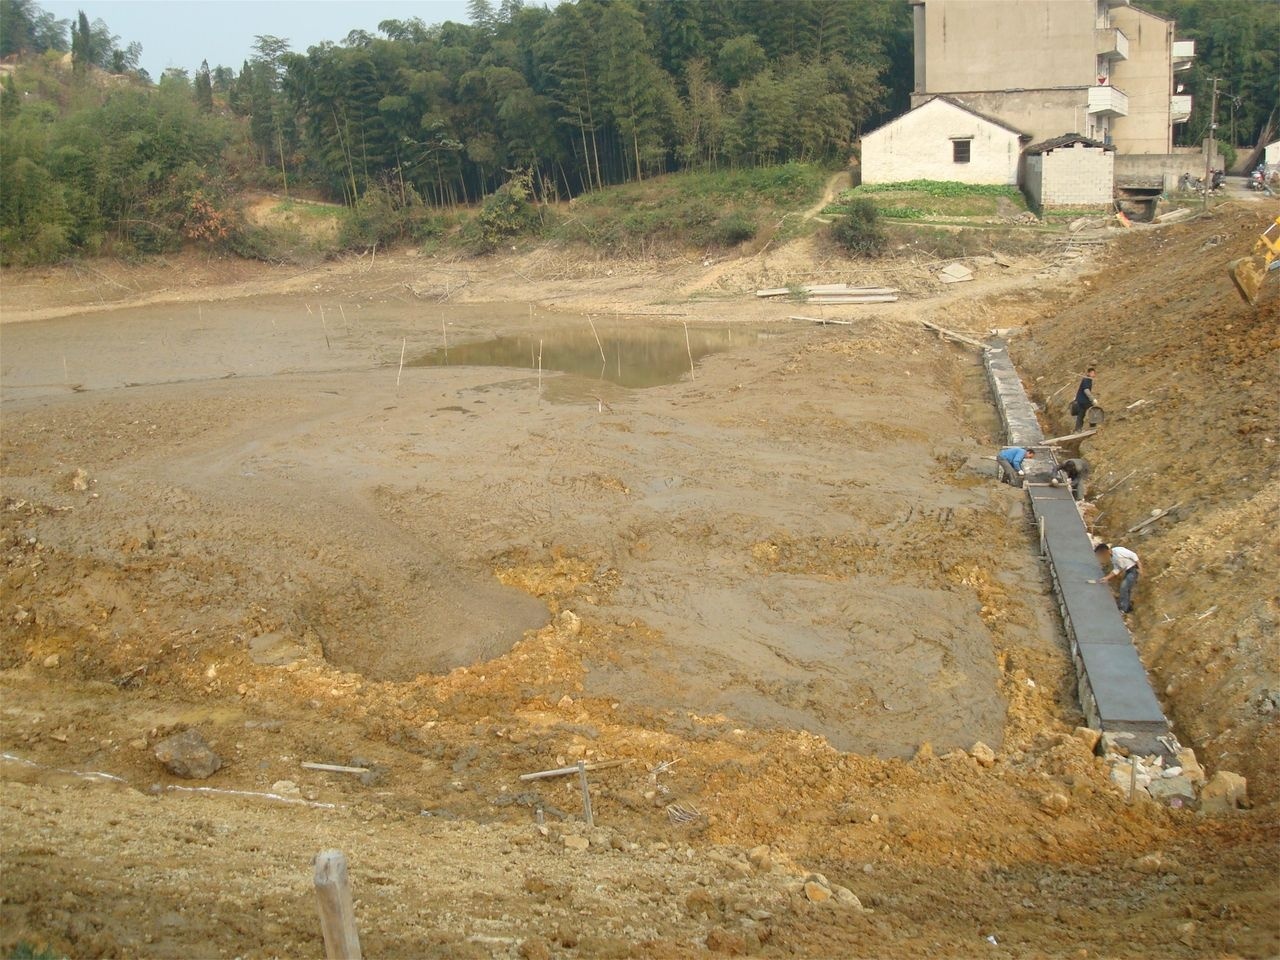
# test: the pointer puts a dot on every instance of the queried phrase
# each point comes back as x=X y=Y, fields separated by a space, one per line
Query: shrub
x=373 y=220
x=26 y=950
x=859 y=231
x=733 y=228
x=507 y=212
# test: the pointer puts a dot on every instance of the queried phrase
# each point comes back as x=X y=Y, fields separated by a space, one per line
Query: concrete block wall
x=1077 y=176
x=1111 y=681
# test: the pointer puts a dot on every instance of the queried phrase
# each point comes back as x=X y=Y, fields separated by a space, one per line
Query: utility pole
x=1210 y=142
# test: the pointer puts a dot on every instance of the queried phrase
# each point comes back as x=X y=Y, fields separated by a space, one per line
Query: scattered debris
x=955 y=273
x=682 y=814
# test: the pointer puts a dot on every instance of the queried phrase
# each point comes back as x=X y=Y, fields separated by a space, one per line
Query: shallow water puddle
x=633 y=357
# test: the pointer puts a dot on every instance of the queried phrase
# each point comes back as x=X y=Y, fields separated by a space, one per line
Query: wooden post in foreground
x=337 y=912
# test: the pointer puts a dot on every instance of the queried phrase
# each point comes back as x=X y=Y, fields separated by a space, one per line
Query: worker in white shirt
x=1125 y=567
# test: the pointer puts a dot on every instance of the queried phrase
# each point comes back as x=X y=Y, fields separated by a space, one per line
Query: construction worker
x=1125 y=567
x=1011 y=460
x=1074 y=471
x=1084 y=398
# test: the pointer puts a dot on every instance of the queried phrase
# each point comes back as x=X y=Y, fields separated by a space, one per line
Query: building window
x=960 y=150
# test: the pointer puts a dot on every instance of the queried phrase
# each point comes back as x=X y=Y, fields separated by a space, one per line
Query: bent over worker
x=1011 y=460
x=1125 y=567
x=1076 y=472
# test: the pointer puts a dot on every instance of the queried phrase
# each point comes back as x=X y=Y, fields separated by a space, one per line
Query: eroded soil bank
x=790 y=574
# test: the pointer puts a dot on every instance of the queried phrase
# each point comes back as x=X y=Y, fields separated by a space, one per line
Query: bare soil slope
x=785 y=592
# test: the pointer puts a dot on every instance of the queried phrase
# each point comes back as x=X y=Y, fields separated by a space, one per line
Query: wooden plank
x=565 y=771
x=1070 y=436
x=860 y=298
x=1158 y=515
x=586 y=795
x=333 y=767
x=825 y=289
x=955 y=336
x=823 y=320
x=337 y=911
x=821 y=288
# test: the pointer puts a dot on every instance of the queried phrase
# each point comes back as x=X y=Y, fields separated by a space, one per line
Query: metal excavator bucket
x=1248 y=273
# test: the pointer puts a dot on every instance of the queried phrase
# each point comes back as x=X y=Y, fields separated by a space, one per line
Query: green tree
x=639 y=96
x=82 y=52
x=1238 y=42
x=740 y=59
x=24 y=27
x=204 y=88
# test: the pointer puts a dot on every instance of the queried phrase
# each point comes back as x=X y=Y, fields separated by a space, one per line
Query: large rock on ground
x=187 y=755
x=1225 y=792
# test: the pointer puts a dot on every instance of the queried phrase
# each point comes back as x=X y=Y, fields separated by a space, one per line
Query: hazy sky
x=181 y=33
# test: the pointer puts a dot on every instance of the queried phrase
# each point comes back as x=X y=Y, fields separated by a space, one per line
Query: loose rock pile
x=1182 y=784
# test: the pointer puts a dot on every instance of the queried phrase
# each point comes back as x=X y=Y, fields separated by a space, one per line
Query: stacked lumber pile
x=834 y=293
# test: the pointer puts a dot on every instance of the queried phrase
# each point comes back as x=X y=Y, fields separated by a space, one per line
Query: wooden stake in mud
x=445 y=334
x=403 y=341
x=326 y=328
x=598 y=343
x=539 y=369
x=337 y=912
x=690 y=349
x=586 y=794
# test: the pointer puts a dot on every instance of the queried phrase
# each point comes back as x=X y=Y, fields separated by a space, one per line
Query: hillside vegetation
x=410 y=127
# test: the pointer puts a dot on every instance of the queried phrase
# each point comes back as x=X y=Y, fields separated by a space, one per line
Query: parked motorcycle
x=1258 y=180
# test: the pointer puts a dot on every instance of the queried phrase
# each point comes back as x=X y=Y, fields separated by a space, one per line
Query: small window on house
x=960 y=150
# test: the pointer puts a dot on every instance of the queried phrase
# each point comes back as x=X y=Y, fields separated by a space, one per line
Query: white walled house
x=942 y=140
x=1069 y=171
x=1271 y=155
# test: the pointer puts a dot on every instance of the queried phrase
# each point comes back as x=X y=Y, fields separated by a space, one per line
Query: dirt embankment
x=784 y=592
x=1188 y=375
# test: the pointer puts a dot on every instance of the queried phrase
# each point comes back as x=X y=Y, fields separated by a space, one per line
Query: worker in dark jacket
x=1074 y=471
x=1084 y=398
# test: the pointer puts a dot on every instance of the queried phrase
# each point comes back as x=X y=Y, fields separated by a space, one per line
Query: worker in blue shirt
x=1011 y=461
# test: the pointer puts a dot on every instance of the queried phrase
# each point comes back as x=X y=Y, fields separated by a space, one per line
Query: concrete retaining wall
x=1112 y=683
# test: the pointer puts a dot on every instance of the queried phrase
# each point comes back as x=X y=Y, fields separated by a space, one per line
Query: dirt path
x=783 y=590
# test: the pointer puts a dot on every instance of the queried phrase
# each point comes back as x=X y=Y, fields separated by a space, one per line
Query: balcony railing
x=1106 y=100
x=1180 y=108
x=1184 y=51
x=1112 y=44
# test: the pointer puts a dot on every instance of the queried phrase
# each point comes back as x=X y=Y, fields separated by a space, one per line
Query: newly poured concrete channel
x=1112 y=683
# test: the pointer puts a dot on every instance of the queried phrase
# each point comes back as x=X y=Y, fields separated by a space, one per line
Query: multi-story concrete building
x=1104 y=69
